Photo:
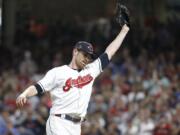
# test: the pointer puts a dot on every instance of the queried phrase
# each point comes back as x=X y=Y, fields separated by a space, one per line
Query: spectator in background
x=27 y=67
x=6 y=126
x=3 y=125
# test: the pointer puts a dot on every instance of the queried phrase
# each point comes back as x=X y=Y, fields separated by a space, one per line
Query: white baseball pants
x=59 y=126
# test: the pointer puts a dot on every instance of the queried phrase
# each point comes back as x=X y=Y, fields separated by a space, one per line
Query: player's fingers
x=24 y=100
x=17 y=101
x=21 y=101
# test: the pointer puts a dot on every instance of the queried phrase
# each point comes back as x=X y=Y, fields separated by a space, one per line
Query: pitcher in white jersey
x=70 y=86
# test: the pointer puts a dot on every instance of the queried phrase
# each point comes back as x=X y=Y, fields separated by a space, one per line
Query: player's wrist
x=125 y=28
x=23 y=95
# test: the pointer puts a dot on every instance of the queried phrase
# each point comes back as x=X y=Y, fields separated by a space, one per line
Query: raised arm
x=117 y=42
x=122 y=18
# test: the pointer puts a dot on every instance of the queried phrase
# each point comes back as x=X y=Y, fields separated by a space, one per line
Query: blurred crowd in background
x=138 y=94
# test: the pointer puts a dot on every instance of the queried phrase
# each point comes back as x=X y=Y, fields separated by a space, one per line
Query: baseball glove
x=122 y=14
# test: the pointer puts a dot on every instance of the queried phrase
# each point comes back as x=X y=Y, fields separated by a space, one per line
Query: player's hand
x=21 y=100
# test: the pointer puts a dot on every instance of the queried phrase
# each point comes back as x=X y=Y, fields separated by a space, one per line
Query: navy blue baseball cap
x=86 y=47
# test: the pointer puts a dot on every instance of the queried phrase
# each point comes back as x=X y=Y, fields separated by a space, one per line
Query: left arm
x=117 y=42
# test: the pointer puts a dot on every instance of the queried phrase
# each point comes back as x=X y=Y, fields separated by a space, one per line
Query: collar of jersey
x=79 y=70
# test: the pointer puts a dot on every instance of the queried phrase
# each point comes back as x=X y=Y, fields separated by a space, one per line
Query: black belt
x=73 y=119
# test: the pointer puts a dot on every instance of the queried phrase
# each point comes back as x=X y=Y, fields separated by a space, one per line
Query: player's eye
x=86 y=55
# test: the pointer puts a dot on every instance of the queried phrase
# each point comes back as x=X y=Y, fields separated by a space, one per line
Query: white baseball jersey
x=70 y=89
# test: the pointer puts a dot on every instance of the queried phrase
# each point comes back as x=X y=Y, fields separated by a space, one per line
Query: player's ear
x=75 y=51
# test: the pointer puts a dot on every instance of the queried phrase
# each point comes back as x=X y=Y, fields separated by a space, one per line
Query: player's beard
x=80 y=64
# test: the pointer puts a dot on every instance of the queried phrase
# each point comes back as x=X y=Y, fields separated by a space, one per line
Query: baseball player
x=70 y=86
